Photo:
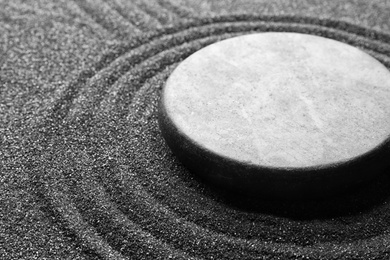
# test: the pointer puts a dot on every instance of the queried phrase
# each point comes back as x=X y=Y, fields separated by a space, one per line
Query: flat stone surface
x=281 y=100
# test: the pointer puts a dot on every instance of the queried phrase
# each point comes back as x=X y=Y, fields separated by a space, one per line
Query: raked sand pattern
x=102 y=173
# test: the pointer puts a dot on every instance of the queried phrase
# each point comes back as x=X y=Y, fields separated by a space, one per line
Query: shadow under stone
x=351 y=202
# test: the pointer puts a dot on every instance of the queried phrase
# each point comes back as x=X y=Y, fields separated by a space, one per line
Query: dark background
x=85 y=173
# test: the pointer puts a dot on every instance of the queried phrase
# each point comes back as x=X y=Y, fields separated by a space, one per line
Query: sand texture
x=84 y=170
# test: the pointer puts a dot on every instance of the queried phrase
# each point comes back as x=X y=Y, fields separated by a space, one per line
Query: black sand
x=85 y=173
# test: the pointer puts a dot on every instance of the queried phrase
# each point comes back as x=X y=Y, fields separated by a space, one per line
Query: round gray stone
x=293 y=104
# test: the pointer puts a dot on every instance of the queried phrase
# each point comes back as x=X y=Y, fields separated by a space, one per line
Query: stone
x=281 y=115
